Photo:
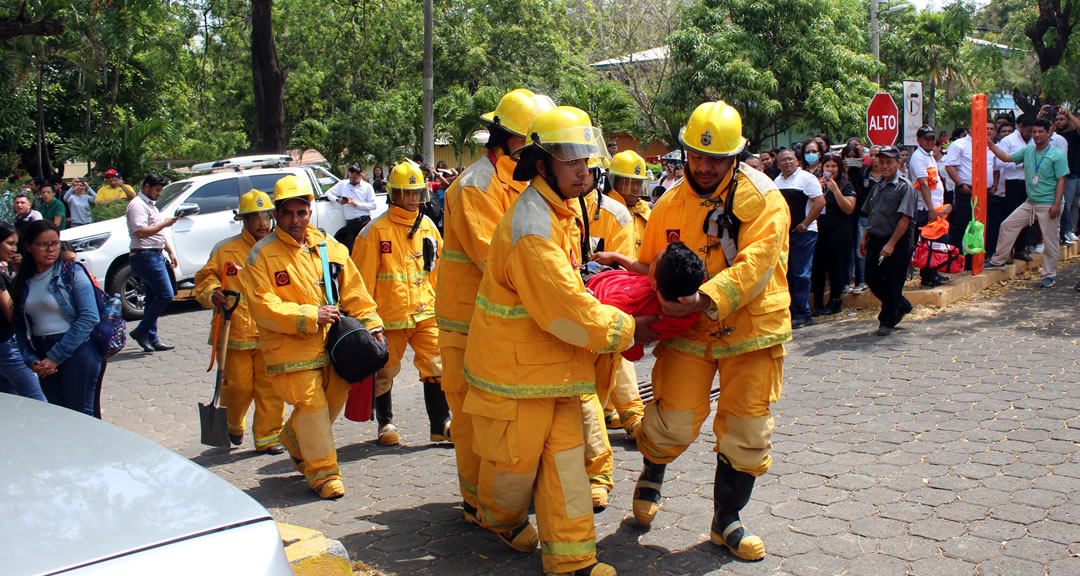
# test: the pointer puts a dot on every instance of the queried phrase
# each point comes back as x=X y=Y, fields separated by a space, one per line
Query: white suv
x=209 y=202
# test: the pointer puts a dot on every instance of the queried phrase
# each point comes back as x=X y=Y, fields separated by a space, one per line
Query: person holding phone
x=358 y=199
x=145 y=226
x=834 y=243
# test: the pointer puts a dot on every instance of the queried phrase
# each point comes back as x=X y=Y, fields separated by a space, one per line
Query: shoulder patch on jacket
x=532 y=216
x=750 y=196
x=478 y=174
x=615 y=208
x=221 y=244
x=253 y=255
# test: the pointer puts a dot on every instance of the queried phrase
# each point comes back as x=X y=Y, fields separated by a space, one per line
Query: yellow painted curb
x=312 y=554
x=962 y=285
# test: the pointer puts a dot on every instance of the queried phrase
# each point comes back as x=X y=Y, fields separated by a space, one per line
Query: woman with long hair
x=834 y=236
x=811 y=156
x=378 y=181
x=15 y=376
x=55 y=312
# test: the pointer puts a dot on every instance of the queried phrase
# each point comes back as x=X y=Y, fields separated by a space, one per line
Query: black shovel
x=213 y=418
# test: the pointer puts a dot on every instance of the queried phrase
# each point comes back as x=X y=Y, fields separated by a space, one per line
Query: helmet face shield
x=574 y=143
x=405 y=196
x=629 y=187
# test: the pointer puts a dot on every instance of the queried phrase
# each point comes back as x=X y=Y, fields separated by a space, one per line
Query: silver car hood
x=75 y=490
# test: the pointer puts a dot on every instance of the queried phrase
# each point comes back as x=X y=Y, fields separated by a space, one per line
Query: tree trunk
x=269 y=80
x=44 y=165
x=12 y=27
x=931 y=108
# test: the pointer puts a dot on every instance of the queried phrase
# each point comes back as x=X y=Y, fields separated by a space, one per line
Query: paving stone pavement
x=950 y=447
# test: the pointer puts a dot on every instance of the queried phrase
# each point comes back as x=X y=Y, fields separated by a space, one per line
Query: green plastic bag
x=974 y=234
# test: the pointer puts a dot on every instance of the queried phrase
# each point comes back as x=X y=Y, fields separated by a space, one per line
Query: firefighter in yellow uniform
x=474 y=204
x=287 y=297
x=627 y=184
x=531 y=350
x=397 y=255
x=734 y=217
x=245 y=372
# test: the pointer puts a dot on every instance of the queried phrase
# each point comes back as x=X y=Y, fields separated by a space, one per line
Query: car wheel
x=131 y=290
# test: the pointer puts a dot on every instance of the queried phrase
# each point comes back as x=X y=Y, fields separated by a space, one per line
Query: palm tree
x=936 y=39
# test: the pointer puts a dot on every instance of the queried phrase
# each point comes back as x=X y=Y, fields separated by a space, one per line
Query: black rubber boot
x=438 y=410
x=384 y=415
x=731 y=492
x=647 y=491
x=836 y=306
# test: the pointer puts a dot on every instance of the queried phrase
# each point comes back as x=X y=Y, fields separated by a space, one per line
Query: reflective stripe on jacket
x=474 y=204
x=243 y=333
x=285 y=285
x=535 y=329
x=392 y=266
x=751 y=296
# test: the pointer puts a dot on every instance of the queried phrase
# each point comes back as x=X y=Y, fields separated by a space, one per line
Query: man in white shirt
x=930 y=192
x=358 y=199
x=1015 y=190
x=803 y=194
x=958 y=165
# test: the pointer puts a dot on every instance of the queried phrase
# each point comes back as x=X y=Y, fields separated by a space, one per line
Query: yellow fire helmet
x=254 y=202
x=404 y=177
x=517 y=109
x=628 y=175
x=567 y=134
x=714 y=129
x=291 y=187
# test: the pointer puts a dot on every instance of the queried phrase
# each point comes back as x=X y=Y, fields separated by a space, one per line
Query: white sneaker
x=1071 y=237
x=860 y=288
x=1038 y=249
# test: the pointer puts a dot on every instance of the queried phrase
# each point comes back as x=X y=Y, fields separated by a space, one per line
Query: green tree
x=781 y=63
x=935 y=41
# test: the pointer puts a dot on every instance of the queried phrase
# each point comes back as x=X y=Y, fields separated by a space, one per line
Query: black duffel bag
x=354 y=352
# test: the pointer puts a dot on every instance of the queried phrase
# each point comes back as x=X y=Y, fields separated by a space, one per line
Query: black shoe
x=801 y=322
x=236 y=439
x=438 y=411
x=647 y=492
x=274 y=449
x=942 y=279
x=143 y=342
x=162 y=346
x=835 y=307
x=884 y=330
x=818 y=312
x=1021 y=256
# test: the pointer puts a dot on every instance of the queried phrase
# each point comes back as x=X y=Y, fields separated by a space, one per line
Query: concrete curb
x=962 y=285
x=312 y=554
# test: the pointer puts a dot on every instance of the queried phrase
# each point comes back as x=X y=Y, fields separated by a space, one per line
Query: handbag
x=110 y=334
x=937 y=256
x=355 y=354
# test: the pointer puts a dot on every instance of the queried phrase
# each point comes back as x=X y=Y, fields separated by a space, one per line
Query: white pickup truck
x=210 y=202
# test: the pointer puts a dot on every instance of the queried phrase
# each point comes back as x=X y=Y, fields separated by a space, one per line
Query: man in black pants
x=887 y=242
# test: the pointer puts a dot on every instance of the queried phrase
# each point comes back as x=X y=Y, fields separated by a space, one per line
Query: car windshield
x=170 y=192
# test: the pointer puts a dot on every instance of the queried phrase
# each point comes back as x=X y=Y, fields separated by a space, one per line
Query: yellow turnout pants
x=246 y=380
x=623 y=395
x=743 y=423
x=424 y=340
x=317 y=397
x=461 y=426
x=533 y=449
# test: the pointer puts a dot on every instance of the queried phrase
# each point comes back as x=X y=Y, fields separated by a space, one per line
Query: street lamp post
x=875 y=30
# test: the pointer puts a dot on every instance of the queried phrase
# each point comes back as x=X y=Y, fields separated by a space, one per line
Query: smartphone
x=853 y=162
x=826 y=175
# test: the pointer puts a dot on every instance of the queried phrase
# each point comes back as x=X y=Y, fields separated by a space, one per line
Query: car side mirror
x=185 y=210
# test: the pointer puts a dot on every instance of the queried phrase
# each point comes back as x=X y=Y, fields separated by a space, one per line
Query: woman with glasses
x=15 y=375
x=55 y=311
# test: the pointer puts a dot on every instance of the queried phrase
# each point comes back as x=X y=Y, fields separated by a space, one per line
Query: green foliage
x=128 y=148
x=781 y=63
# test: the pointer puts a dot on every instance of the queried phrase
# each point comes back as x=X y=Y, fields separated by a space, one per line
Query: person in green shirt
x=50 y=207
x=1045 y=169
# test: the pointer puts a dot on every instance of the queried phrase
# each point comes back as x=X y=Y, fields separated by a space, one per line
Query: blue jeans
x=152 y=269
x=15 y=376
x=857 y=262
x=800 y=264
x=74 y=386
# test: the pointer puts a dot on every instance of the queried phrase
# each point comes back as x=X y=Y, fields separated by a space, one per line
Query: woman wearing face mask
x=15 y=376
x=811 y=156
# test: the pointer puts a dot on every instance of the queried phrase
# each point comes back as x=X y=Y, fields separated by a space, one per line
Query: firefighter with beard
x=738 y=222
x=474 y=204
x=397 y=255
x=245 y=373
x=531 y=351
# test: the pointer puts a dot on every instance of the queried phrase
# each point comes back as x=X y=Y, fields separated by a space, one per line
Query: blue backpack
x=110 y=335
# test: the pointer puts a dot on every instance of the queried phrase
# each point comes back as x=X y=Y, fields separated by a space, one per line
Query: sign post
x=881 y=120
x=978 y=171
x=913 y=111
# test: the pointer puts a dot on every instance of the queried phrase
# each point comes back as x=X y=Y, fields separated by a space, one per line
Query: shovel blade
x=214 y=424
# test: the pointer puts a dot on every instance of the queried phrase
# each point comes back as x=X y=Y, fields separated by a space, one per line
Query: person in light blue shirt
x=79 y=198
x=1045 y=170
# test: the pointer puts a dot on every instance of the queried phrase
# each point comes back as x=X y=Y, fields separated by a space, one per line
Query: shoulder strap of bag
x=327 y=281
